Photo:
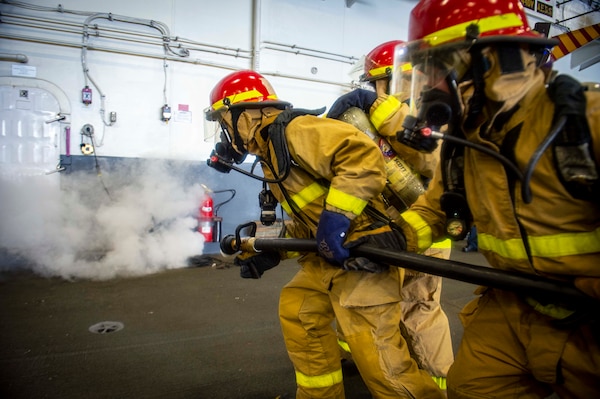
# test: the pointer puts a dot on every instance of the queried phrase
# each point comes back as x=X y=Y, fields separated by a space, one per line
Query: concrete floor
x=198 y=332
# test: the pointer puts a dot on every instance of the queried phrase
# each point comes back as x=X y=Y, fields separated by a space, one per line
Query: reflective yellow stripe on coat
x=564 y=244
x=444 y=244
x=383 y=111
x=424 y=233
x=305 y=197
x=345 y=202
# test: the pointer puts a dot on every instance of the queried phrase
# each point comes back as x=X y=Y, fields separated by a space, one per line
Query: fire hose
x=542 y=288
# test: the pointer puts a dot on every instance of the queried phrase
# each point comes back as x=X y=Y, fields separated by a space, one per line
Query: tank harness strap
x=573 y=155
x=276 y=133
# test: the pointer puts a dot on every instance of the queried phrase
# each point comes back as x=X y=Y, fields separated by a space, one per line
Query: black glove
x=360 y=98
x=390 y=239
x=253 y=265
x=568 y=96
x=364 y=265
x=570 y=101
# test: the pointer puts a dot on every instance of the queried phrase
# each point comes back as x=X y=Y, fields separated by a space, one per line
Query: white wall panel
x=133 y=85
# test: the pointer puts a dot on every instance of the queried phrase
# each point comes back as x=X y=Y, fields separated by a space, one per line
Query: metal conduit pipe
x=197 y=46
x=232 y=52
x=176 y=44
x=193 y=43
x=41 y=20
x=59 y=26
x=302 y=49
x=307 y=54
x=163 y=57
x=22 y=58
x=329 y=82
x=159 y=26
x=45 y=27
x=77 y=31
x=256 y=21
x=116 y=51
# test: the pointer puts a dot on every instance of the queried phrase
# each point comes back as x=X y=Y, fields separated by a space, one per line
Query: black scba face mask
x=435 y=111
x=225 y=155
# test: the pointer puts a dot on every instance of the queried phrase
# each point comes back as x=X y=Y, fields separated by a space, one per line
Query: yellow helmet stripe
x=487 y=24
x=384 y=69
x=240 y=97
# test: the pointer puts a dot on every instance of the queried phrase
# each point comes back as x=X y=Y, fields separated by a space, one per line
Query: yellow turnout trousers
x=424 y=323
x=366 y=307
x=510 y=350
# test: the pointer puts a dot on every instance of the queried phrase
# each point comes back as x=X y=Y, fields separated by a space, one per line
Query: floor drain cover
x=106 y=327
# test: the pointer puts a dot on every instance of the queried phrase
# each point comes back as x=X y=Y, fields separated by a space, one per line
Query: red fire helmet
x=247 y=88
x=439 y=22
x=379 y=63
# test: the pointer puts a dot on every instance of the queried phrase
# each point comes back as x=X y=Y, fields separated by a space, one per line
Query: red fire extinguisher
x=206 y=216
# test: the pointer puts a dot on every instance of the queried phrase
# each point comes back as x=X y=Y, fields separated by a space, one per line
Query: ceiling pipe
x=22 y=58
x=307 y=51
x=106 y=32
x=300 y=50
x=115 y=50
x=94 y=30
x=291 y=51
x=256 y=21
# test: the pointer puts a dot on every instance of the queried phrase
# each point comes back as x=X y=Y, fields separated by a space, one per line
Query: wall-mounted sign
x=544 y=9
x=27 y=71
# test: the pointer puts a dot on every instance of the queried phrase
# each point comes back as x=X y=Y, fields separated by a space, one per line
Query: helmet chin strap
x=236 y=112
x=477 y=100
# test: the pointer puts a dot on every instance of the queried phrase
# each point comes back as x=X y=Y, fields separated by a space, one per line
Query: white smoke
x=128 y=222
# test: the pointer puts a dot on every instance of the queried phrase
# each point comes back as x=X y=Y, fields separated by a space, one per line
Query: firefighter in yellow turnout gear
x=328 y=176
x=424 y=323
x=522 y=162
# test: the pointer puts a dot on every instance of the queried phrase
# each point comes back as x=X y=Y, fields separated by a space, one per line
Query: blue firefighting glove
x=331 y=233
x=360 y=98
x=253 y=265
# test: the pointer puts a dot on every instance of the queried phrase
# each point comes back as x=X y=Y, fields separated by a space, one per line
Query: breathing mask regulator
x=433 y=114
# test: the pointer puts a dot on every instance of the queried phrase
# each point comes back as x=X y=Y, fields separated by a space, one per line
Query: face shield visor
x=433 y=98
x=212 y=125
x=436 y=70
x=401 y=76
x=218 y=129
